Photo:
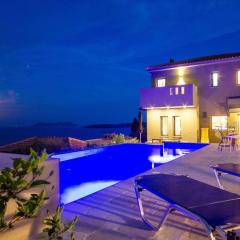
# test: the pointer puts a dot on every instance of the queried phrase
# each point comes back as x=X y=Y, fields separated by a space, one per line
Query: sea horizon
x=14 y=134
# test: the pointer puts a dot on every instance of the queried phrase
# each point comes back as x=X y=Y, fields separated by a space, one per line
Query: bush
x=56 y=227
x=118 y=138
x=131 y=140
x=24 y=175
x=121 y=138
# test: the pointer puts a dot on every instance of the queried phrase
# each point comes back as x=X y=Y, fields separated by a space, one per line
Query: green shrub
x=121 y=138
x=118 y=138
x=114 y=138
x=55 y=227
x=25 y=174
x=131 y=140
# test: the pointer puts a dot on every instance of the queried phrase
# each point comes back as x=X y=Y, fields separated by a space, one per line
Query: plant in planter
x=57 y=228
x=25 y=174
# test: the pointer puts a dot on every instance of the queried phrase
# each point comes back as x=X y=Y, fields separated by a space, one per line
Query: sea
x=13 y=134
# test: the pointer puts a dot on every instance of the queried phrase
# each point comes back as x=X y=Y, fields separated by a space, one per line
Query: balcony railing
x=169 y=97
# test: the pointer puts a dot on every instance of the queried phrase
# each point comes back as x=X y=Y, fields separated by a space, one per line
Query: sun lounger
x=214 y=208
x=226 y=168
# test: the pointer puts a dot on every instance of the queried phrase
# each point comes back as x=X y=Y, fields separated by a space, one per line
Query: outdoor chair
x=216 y=209
x=226 y=168
x=224 y=141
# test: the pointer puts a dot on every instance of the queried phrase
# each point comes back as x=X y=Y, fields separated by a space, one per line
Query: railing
x=169 y=97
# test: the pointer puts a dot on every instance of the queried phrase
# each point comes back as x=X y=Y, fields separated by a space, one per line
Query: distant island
x=70 y=124
x=56 y=124
x=117 y=125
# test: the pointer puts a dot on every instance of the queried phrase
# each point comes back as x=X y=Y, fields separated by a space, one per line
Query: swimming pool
x=85 y=172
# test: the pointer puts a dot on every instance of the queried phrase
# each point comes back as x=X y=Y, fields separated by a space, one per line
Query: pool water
x=85 y=172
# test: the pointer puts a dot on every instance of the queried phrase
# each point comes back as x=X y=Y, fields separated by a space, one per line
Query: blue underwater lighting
x=85 y=172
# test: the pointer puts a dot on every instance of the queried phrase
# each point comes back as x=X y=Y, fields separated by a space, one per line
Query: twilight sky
x=84 y=61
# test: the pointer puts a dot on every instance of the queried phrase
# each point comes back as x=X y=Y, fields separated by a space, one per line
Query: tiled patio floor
x=112 y=214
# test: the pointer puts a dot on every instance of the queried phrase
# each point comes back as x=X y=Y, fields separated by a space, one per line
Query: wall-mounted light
x=181 y=71
x=181 y=81
x=180 y=76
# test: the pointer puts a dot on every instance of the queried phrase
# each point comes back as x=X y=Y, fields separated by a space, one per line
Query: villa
x=188 y=97
x=172 y=190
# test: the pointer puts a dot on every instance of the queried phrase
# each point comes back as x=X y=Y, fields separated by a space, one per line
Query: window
x=176 y=91
x=164 y=125
x=177 y=126
x=161 y=82
x=182 y=90
x=238 y=77
x=214 y=79
x=219 y=122
x=170 y=92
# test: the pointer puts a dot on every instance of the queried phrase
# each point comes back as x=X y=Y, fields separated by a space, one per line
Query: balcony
x=169 y=97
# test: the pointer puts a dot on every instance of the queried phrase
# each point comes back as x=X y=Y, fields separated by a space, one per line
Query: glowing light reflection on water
x=72 y=193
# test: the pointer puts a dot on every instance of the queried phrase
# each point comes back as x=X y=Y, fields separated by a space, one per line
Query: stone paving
x=113 y=212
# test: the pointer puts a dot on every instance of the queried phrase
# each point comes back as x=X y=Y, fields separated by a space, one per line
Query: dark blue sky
x=84 y=61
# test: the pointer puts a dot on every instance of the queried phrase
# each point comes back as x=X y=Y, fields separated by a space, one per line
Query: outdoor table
x=231 y=138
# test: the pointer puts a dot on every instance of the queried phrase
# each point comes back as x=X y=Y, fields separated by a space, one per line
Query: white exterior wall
x=189 y=123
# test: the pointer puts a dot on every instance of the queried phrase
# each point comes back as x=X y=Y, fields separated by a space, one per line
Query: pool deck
x=113 y=212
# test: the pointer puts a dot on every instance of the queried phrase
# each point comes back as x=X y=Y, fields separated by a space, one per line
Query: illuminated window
x=182 y=90
x=164 y=125
x=219 y=122
x=161 y=82
x=177 y=126
x=214 y=79
x=238 y=77
x=176 y=90
x=170 y=92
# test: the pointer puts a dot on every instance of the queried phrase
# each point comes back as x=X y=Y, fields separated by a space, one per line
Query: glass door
x=177 y=126
x=164 y=125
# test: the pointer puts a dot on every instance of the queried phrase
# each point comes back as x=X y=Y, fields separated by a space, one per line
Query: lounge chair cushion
x=230 y=168
x=216 y=206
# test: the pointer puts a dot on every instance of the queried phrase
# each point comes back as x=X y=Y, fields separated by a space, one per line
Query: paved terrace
x=112 y=214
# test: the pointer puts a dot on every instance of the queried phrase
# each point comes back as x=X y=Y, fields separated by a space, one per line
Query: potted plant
x=24 y=189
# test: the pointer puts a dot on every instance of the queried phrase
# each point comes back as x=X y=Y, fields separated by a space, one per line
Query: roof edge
x=196 y=61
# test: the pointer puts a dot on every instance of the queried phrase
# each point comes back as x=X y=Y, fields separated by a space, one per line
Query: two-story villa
x=188 y=95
